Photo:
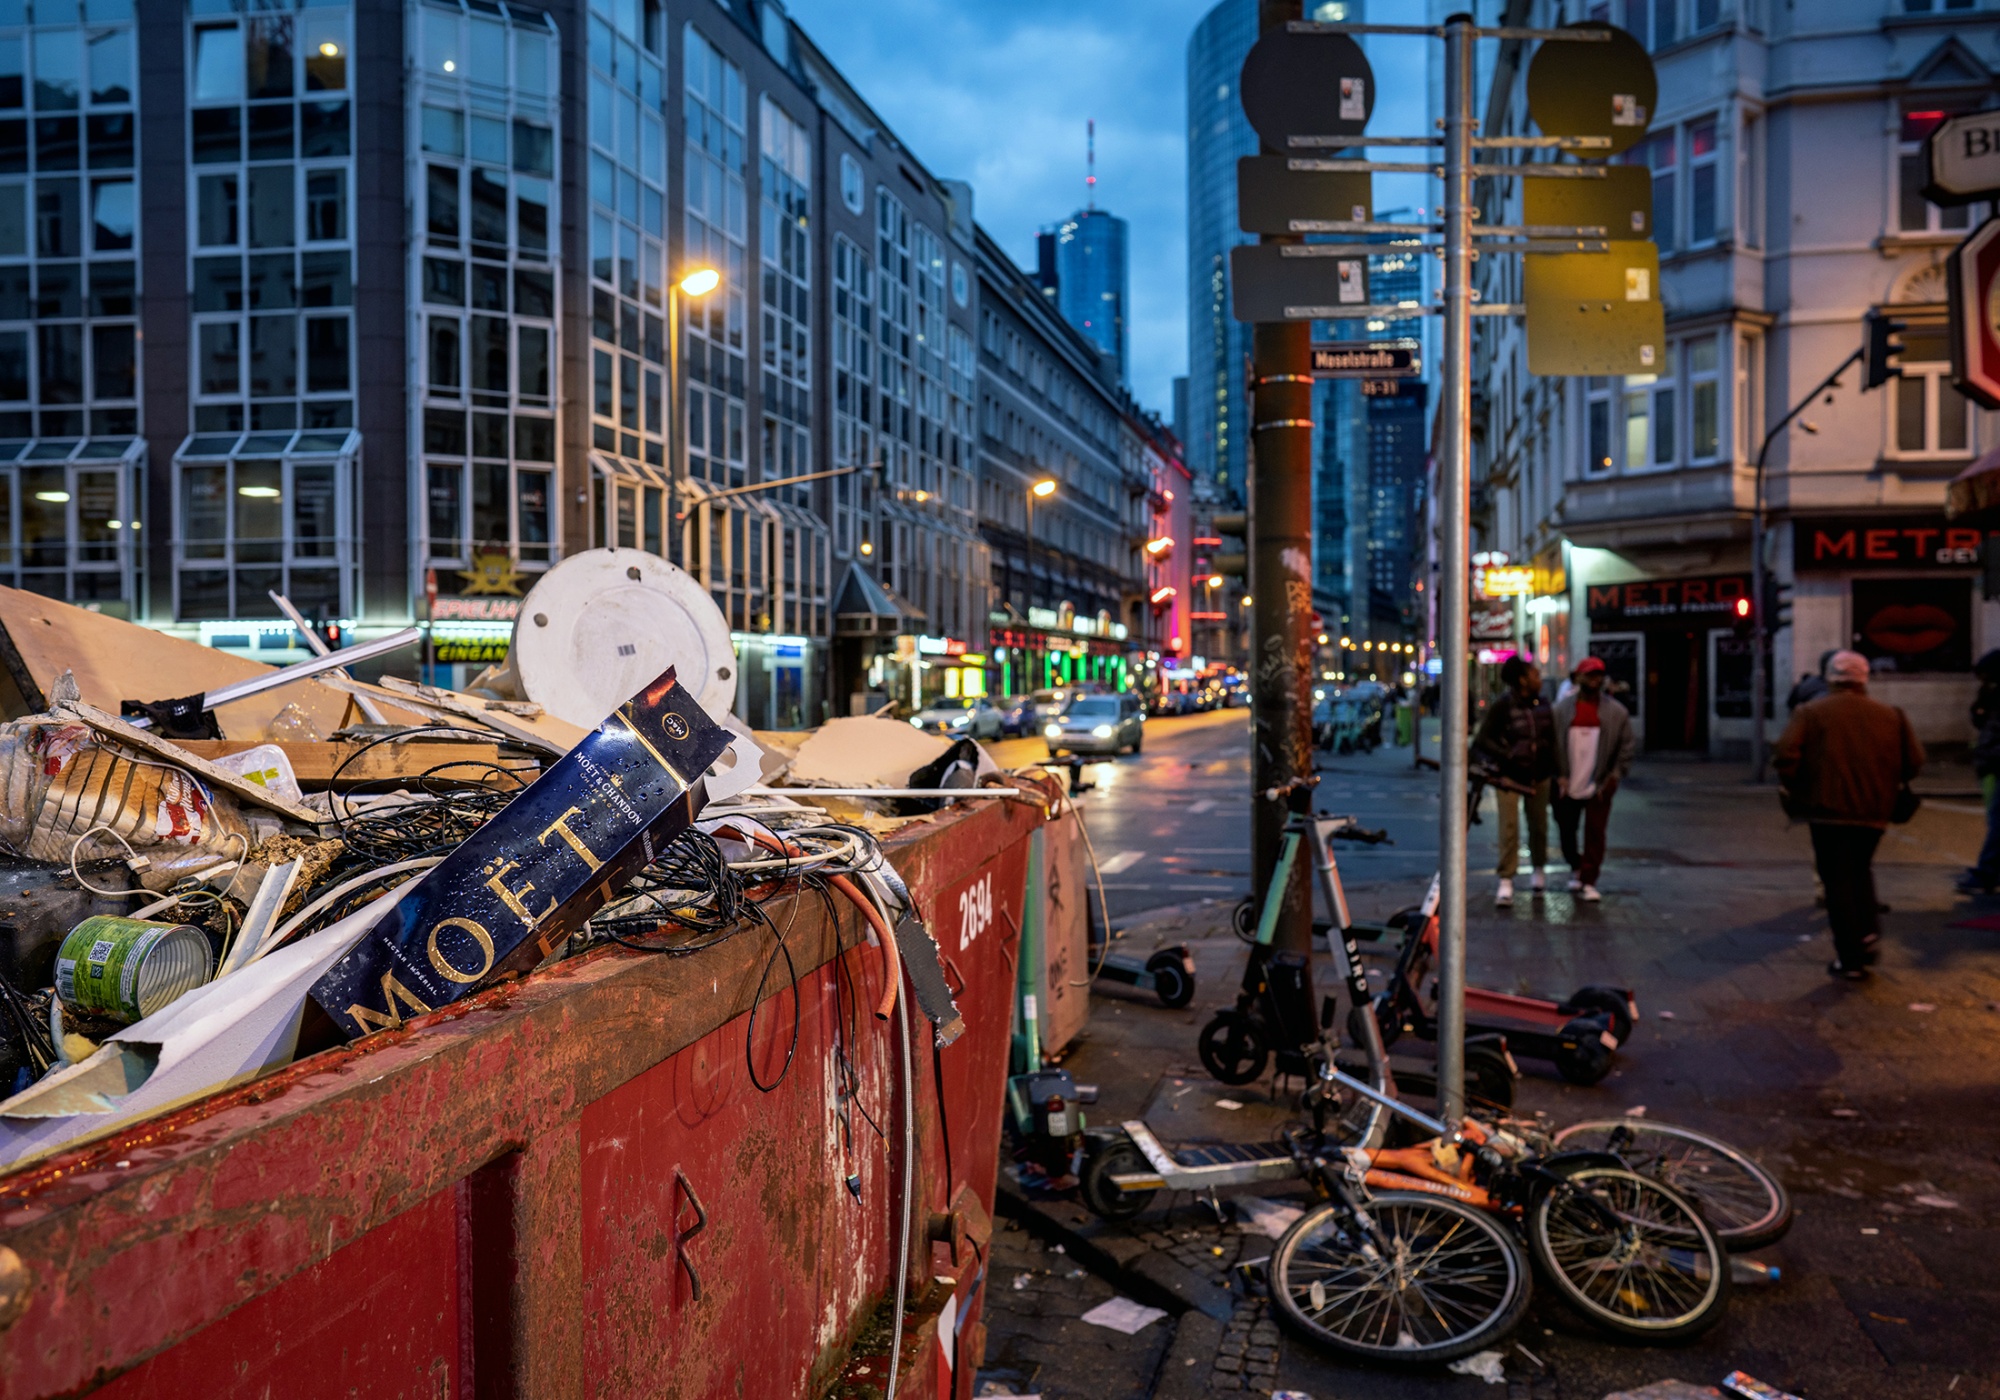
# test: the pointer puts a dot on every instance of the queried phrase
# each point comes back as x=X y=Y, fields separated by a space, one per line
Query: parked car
x=1046 y=705
x=1097 y=724
x=958 y=719
x=1017 y=715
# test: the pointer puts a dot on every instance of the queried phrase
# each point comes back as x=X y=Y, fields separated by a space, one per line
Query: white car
x=959 y=719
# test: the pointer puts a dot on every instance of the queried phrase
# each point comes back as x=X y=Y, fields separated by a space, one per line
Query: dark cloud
x=997 y=92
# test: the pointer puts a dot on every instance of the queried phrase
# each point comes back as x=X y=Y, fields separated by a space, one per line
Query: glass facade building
x=1218 y=345
x=1094 y=284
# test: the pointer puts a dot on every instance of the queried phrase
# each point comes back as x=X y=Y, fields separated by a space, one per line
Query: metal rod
x=677 y=444
x=1410 y=167
x=1454 y=623
x=1491 y=143
x=1389 y=1101
x=1584 y=36
x=1760 y=633
x=299 y=671
x=945 y=794
x=1382 y=311
x=756 y=486
x=320 y=648
x=1481 y=231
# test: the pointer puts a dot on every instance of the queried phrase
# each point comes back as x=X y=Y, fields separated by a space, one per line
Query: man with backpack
x=1846 y=762
x=1594 y=746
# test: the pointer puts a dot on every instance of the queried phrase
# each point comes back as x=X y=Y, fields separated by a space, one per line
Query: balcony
x=1695 y=505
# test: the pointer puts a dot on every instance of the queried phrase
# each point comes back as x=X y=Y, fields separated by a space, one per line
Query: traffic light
x=1777 y=606
x=1235 y=564
x=1742 y=619
x=1882 y=356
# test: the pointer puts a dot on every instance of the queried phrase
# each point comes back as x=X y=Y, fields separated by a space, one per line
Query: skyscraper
x=1093 y=287
x=1218 y=345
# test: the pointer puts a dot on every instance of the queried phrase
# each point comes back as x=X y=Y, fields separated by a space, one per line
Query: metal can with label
x=130 y=968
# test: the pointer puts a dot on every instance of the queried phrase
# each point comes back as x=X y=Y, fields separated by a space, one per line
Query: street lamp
x=1038 y=491
x=698 y=283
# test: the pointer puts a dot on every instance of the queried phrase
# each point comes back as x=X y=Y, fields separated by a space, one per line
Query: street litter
x=1230 y=1104
x=1021 y=1281
x=1123 y=1315
x=1922 y=1006
x=1667 y=1390
x=1750 y=1388
x=1290 y=1395
x=1486 y=1365
x=1272 y=1218
x=1936 y=1202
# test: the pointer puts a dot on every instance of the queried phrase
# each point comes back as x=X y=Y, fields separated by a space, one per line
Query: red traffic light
x=1743 y=609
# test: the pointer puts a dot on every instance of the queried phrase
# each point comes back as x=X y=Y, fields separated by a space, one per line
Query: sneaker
x=1539 y=883
x=1504 y=896
x=1575 y=883
x=1588 y=894
x=1848 y=974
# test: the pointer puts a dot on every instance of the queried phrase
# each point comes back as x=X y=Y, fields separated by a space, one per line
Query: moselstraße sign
x=1963 y=157
x=1367 y=359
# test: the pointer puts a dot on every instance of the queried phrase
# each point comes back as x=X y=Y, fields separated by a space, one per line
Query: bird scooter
x=1579 y=1034
x=1274 y=1015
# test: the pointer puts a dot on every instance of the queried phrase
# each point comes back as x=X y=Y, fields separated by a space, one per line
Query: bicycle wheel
x=1748 y=1206
x=1630 y=1254
x=1452 y=1280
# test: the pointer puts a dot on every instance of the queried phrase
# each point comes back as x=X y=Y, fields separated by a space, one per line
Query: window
x=1930 y=416
x=270 y=511
x=852 y=191
x=1656 y=152
x=1915 y=214
x=1638 y=422
x=1652 y=22
x=1597 y=430
x=1704 y=398
x=1702 y=180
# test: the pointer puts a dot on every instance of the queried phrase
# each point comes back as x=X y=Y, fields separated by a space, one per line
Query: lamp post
x=698 y=283
x=1040 y=491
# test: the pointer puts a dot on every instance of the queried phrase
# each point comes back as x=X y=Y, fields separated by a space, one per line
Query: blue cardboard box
x=513 y=892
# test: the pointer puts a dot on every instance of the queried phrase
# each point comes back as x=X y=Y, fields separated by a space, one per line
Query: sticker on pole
x=1593 y=88
x=1304 y=82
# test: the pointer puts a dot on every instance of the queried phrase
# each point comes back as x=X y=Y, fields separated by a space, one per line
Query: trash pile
x=200 y=888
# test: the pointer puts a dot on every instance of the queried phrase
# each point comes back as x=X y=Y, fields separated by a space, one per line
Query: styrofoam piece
x=229 y=1031
x=600 y=625
x=740 y=766
x=863 y=752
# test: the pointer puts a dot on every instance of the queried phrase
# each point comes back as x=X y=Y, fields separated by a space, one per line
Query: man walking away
x=1594 y=744
x=1985 y=876
x=1842 y=761
x=1517 y=737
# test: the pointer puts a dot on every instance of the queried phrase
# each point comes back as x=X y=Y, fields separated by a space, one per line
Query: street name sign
x=1305 y=84
x=1367 y=359
x=1595 y=313
x=1271 y=194
x=1293 y=282
x=1603 y=89
x=1621 y=203
x=1973 y=273
x=1962 y=157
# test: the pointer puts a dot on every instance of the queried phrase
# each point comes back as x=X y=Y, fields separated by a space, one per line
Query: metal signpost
x=1303 y=92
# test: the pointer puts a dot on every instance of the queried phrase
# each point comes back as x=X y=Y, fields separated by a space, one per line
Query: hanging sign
x=1962 y=159
x=1973 y=273
x=1273 y=196
x=1306 y=82
x=1367 y=359
x=1600 y=88
x=1595 y=313
x=1293 y=282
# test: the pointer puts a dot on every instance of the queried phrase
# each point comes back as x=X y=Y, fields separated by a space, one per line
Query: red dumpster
x=626 y=1175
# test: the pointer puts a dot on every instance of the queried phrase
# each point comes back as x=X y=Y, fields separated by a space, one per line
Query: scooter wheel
x=1489 y=1079
x=1388 y=1019
x=1232 y=1048
x=1243 y=919
x=1605 y=1001
x=1581 y=1057
x=1105 y=1196
x=1173 y=984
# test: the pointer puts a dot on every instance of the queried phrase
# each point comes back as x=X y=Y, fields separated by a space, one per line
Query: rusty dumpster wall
x=506 y=1199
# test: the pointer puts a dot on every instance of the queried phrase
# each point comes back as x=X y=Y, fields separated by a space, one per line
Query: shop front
x=1053 y=648
x=1905 y=591
x=1671 y=650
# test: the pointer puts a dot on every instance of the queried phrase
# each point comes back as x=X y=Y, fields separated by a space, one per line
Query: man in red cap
x=1594 y=747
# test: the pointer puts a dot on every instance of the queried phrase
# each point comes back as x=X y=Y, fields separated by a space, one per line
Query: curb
x=1142 y=1274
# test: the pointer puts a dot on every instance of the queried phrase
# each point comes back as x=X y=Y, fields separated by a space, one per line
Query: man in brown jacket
x=1842 y=761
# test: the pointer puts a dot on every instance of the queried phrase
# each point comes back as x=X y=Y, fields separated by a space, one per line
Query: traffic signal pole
x=1280 y=549
x=1455 y=514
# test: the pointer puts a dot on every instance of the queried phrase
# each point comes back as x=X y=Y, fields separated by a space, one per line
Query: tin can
x=129 y=968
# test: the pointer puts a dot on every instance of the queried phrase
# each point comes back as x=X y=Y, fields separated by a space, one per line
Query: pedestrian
x=1810 y=687
x=1594 y=745
x=1517 y=738
x=1985 y=876
x=1845 y=761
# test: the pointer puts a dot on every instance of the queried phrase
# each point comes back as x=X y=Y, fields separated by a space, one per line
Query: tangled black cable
x=34 y=1033
x=448 y=803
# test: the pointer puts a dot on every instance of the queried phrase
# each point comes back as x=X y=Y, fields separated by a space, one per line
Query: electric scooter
x=1579 y=1034
x=1274 y=1014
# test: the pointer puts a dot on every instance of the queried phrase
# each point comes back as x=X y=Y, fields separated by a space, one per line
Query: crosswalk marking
x=1120 y=863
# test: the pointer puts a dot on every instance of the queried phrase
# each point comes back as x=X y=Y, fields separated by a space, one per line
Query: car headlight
x=1053 y=731
x=917 y=720
x=961 y=720
x=1319 y=695
x=1102 y=731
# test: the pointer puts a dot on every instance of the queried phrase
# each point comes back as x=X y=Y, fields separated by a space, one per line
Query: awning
x=1974 y=494
x=123 y=450
x=628 y=470
x=338 y=445
x=865 y=607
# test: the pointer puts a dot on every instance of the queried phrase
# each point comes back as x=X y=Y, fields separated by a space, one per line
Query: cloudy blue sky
x=997 y=92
